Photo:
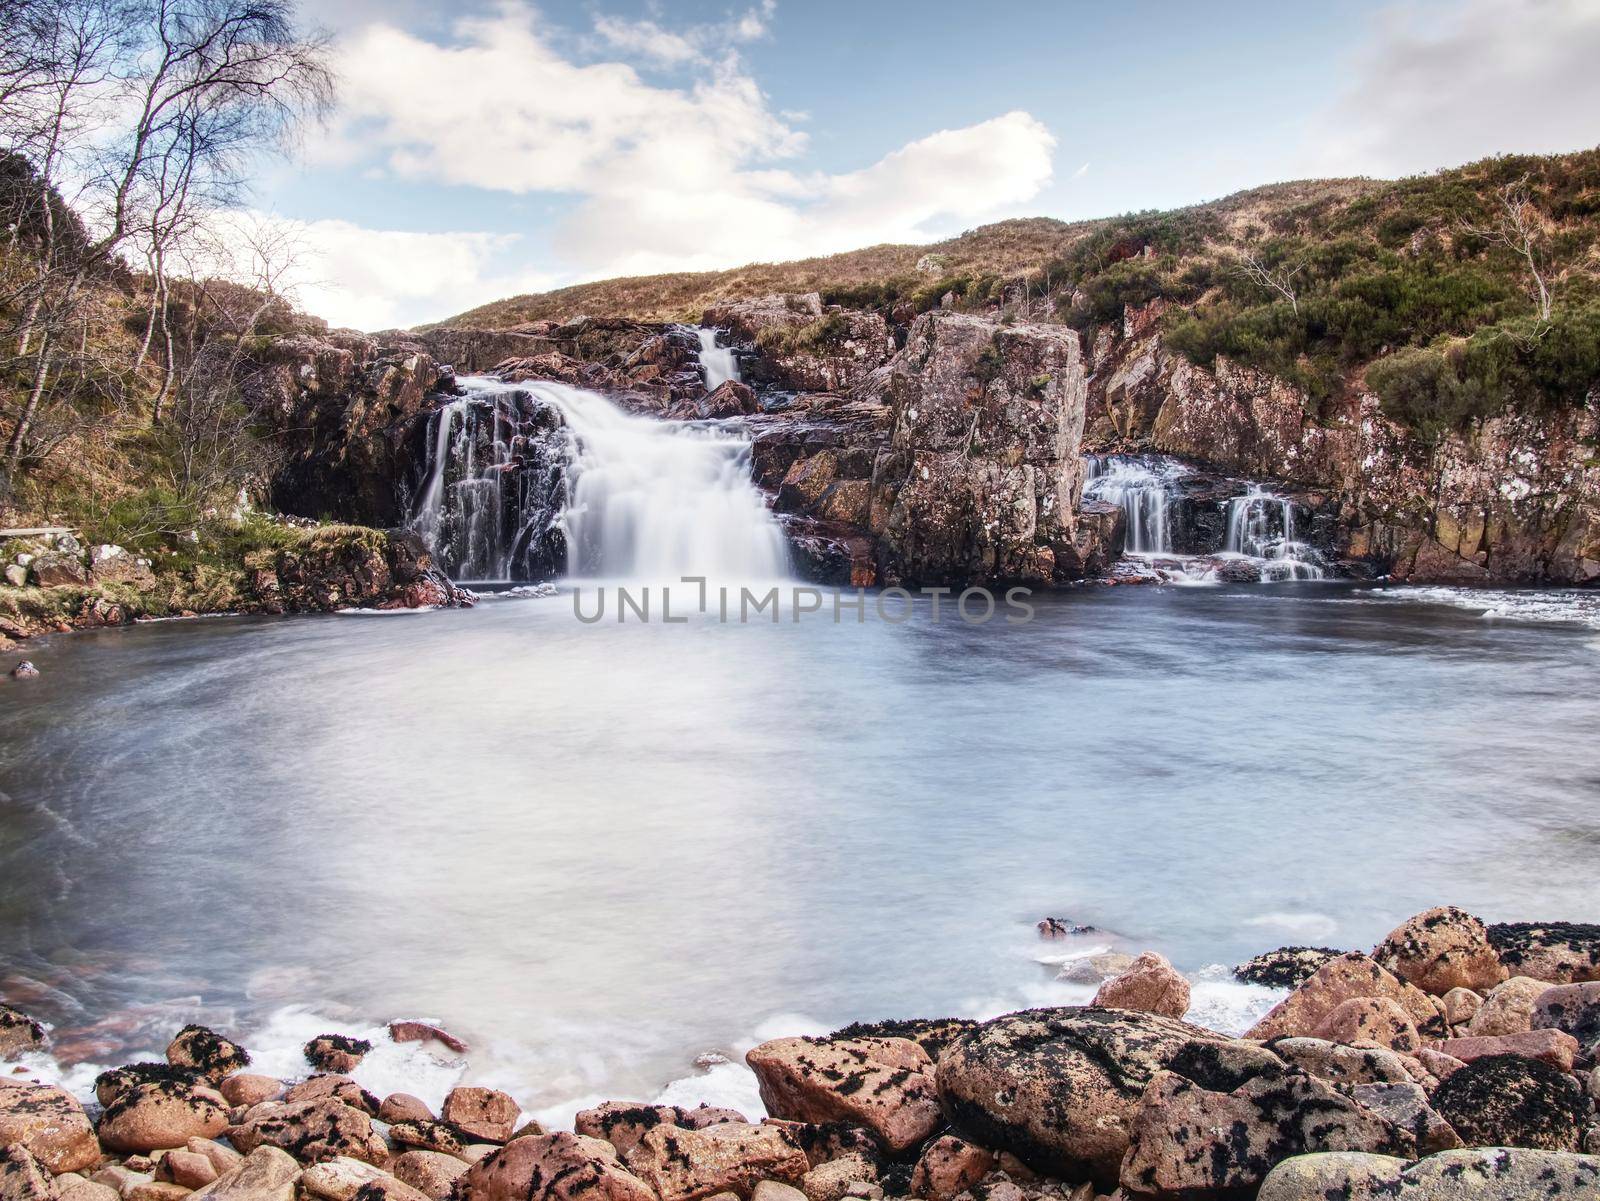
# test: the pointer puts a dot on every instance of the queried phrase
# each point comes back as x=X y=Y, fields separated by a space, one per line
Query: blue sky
x=490 y=148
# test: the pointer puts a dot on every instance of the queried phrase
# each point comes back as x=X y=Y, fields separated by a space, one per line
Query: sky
x=486 y=148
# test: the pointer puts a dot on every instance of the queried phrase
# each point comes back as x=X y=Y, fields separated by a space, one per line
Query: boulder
x=115 y=565
x=1556 y=952
x=1554 y=1047
x=246 y=1088
x=1369 y=1021
x=487 y=1115
x=403 y=1107
x=24 y=1178
x=683 y=1165
x=933 y=1035
x=344 y=1179
x=223 y=1158
x=775 y=1190
x=1406 y=1105
x=1513 y=1101
x=830 y=1140
x=1573 y=1008
x=187 y=1168
x=207 y=1052
x=1189 y=1141
x=1150 y=985
x=1058 y=1088
x=55 y=569
x=161 y=1114
x=431 y=1136
x=72 y=1187
x=1339 y=1064
x=623 y=1123
x=1439 y=1065
x=337 y=1086
x=847 y=1176
x=1440 y=949
x=1480 y=1174
x=266 y=1174
x=50 y=1124
x=336 y=1053
x=19 y=1033
x=1508 y=1009
x=155 y=1190
x=551 y=1167
x=885 y=1084
x=1461 y=1005
x=416 y=1032
x=111 y=1084
x=949 y=1165
x=311 y=1131
x=1337 y=981
x=429 y=1172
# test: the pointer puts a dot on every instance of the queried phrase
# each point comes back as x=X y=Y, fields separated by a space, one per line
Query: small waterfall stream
x=718 y=363
x=1142 y=488
x=524 y=481
x=1261 y=526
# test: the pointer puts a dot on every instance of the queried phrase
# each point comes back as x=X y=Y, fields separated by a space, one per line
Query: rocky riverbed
x=1456 y=1060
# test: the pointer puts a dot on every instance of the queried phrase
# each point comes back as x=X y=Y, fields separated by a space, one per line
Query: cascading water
x=1142 y=488
x=718 y=363
x=527 y=480
x=1261 y=526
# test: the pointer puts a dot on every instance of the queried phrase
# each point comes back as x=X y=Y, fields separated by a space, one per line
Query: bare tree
x=1519 y=227
x=1275 y=279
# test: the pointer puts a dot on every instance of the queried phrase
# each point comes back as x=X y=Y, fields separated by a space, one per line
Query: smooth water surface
x=597 y=850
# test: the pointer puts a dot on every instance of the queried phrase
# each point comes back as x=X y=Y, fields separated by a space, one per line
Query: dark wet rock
x=1486 y=1174
x=311 y=1131
x=50 y=1123
x=429 y=1172
x=552 y=1167
x=885 y=1084
x=624 y=1123
x=1440 y=949
x=1554 y=1047
x=933 y=1035
x=18 y=1031
x=336 y=1052
x=24 y=1178
x=1150 y=984
x=684 y=1165
x=25 y=671
x=1406 y=1105
x=486 y=1114
x=1513 y=1101
x=207 y=1052
x=160 y=1114
x=1339 y=980
x=1186 y=1140
x=1574 y=1009
x=417 y=1032
x=729 y=399
x=1237 y=571
x=949 y=1165
x=1369 y=1021
x=1287 y=967
x=1060 y=927
x=110 y=1085
x=1560 y=952
x=1058 y=1087
x=1508 y=1009
x=338 y=1087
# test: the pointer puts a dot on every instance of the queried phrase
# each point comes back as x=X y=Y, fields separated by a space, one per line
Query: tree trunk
x=19 y=435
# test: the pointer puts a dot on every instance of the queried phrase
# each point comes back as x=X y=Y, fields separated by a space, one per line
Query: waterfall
x=634 y=498
x=1261 y=526
x=1143 y=490
x=719 y=363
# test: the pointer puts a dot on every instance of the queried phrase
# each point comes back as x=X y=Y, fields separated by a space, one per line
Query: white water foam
x=1558 y=606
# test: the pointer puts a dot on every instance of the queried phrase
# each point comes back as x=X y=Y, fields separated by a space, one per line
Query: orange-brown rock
x=1149 y=984
x=485 y=1113
x=337 y=1086
x=403 y=1107
x=1440 y=949
x=684 y=1165
x=949 y=1165
x=1554 y=1047
x=1337 y=981
x=311 y=1131
x=1370 y=1021
x=24 y=1178
x=1508 y=1009
x=161 y=1114
x=207 y=1052
x=246 y=1088
x=552 y=1167
x=624 y=1123
x=885 y=1084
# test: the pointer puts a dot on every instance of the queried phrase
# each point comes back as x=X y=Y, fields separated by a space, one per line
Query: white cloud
x=1442 y=85
x=648 y=40
x=700 y=176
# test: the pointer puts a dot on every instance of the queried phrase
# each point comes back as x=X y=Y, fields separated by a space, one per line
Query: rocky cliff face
x=797 y=342
x=1516 y=500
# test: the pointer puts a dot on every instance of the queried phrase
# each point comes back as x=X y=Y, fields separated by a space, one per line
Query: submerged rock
x=885 y=1084
x=1058 y=1088
x=1513 y=1101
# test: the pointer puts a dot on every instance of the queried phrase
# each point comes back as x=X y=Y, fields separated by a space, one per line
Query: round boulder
x=1370 y=1021
x=1440 y=949
x=1508 y=1009
x=1058 y=1088
x=1573 y=1009
x=336 y=1053
x=162 y=1114
x=207 y=1052
x=1513 y=1101
x=1150 y=984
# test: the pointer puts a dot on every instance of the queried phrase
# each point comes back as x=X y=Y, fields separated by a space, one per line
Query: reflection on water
x=602 y=849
